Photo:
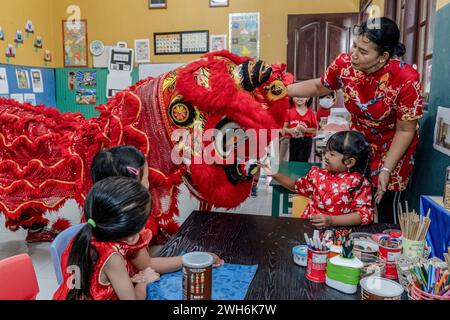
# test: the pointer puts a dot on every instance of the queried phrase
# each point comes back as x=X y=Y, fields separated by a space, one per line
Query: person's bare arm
x=309 y=88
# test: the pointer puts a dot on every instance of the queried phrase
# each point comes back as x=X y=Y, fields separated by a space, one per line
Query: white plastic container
x=300 y=254
x=344 y=274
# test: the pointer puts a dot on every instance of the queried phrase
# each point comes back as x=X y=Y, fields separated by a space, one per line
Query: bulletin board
x=44 y=95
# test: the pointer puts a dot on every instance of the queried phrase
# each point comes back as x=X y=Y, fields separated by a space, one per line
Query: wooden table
x=266 y=241
x=294 y=170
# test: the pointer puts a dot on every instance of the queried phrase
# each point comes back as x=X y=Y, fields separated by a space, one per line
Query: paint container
x=377 y=288
x=390 y=255
x=197 y=276
x=344 y=274
x=300 y=254
x=317 y=265
x=413 y=249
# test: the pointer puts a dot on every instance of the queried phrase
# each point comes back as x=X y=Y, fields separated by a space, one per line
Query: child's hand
x=217 y=262
x=145 y=276
x=322 y=221
x=266 y=167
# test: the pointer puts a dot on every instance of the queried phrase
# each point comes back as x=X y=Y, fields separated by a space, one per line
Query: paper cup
x=413 y=249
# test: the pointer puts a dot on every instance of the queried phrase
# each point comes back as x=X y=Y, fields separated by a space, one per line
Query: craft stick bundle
x=414 y=227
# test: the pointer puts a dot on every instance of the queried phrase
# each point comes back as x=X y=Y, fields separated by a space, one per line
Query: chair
x=18 y=278
x=59 y=245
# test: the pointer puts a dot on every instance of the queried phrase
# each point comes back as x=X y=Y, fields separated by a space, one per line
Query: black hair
x=332 y=93
x=119 y=206
x=117 y=161
x=385 y=34
x=308 y=102
x=353 y=144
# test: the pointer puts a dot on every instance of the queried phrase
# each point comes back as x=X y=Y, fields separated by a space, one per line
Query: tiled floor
x=13 y=243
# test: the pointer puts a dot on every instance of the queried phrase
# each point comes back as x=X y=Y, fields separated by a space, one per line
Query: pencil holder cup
x=316 y=267
x=417 y=294
x=413 y=249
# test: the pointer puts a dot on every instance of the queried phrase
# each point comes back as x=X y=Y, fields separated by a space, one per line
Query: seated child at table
x=128 y=161
x=341 y=193
x=96 y=264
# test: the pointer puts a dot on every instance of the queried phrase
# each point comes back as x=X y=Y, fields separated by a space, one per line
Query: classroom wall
x=13 y=15
x=123 y=20
x=430 y=165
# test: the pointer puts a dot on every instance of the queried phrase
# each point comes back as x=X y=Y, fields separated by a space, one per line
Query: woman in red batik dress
x=384 y=96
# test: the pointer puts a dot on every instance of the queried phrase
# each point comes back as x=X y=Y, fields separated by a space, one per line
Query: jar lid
x=395 y=234
x=300 y=250
x=197 y=260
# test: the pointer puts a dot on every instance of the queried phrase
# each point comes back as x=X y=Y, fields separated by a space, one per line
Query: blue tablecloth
x=229 y=282
x=438 y=236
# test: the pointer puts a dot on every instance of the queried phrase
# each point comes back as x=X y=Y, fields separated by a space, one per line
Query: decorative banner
x=218 y=42
x=142 y=50
x=86 y=79
x=75 y=43
x=36 y=80
x=23 y=82
x=244 y=34
x=86 y=96
x=4 y=87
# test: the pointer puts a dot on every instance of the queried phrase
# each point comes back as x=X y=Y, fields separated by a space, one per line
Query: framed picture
x=142 y=50
x=36 y=80
x=195 y=41
x=218 y=3
x=157 y=4
x=442 y=131
x=23 y=81
x=218 y=42
x=244 y=34
x=75 y=43
x=167 y=43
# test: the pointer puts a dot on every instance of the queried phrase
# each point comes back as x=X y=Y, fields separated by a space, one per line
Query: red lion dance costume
x=45 y=155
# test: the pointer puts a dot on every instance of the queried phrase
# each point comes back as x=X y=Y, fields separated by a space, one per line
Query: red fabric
x=376 y=102
x=105 y=250
x=330 y=194
x=308 y=120
x=322 y=113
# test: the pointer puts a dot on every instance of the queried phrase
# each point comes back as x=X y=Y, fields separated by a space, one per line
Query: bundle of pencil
x=414 y=227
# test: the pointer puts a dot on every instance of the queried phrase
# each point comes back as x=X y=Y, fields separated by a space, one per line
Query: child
x=128 y=161
x=341 y=193
x=325 y=104
x=105 y=255
x=300 y=126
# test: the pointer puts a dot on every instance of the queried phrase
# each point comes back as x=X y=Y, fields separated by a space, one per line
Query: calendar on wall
x=195 y=41
x=167 y=43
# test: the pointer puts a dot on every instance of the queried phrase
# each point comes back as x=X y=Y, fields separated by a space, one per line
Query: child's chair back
x=59 y=245
x=18 y=278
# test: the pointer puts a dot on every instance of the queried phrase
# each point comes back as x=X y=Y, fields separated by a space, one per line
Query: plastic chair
x=59 y=245
x=18 y=278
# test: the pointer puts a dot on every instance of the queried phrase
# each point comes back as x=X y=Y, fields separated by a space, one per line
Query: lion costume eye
x=276 y=90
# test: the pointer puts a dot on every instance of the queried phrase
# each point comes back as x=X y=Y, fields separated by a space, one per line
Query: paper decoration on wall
x=75 y=43
x=244 y=34
x=17 y=96
x=10 y=52
x=18 y=38
x=36 y=80
x=96 y=48
x=38 y=43
x=2 y=33
x=121 y=61
x=71 y=80
x=86 y=96
x=442 y=131
x=142 y=50
x=87 y=79
x=101 y=61
x=30 y=98
x=218 y=42
x=47 y=57
x=23 y=82
x=29 y=28
x=4 y=87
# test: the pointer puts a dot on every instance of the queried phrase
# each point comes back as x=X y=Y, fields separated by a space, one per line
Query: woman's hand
x=322 y=221
x=383 y=181
x=217 y=262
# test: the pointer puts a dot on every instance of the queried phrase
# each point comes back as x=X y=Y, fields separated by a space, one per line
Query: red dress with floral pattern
x=376 y=101
x=330 y=194
x=99 y=290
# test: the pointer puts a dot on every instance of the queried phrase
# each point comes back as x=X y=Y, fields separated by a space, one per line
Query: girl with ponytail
x=384 y=97
x=99 y=263
x=341 y=193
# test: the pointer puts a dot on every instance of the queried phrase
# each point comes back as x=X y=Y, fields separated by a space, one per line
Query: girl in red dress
x=341 y=193
x=103 y=260
x=384 y=97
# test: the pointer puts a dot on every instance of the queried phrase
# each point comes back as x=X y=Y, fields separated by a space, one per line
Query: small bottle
x=447 y=189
